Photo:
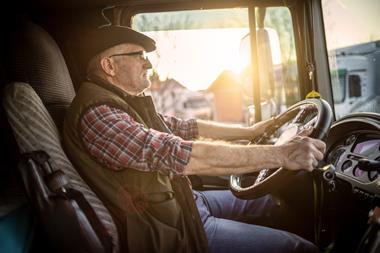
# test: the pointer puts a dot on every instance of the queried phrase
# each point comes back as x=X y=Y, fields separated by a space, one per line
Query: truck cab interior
x=237 y=62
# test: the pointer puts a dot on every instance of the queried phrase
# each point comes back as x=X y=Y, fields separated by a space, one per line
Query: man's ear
x=108 y=66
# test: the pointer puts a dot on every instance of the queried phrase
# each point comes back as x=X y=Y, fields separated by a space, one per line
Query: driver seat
x=35 y=104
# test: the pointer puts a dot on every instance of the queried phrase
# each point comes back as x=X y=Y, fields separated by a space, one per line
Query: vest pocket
x=162 y=226
x=167 y=211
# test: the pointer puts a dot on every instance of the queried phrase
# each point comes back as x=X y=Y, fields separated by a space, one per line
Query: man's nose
x=147 y=64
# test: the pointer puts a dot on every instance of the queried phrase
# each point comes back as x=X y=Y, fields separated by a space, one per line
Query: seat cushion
x=34 y=130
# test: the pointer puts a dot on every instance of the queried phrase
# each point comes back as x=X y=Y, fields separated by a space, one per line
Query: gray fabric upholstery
x=34 y=129
x=34 y=58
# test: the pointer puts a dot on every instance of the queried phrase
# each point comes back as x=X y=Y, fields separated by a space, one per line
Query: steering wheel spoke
x=263 y=174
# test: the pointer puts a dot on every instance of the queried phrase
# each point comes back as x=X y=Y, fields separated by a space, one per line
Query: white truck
x=354 y=78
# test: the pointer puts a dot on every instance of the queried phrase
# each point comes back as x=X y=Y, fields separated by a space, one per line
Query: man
x=136 y=161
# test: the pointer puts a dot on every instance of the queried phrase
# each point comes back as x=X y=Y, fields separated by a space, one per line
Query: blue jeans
x=228 y=222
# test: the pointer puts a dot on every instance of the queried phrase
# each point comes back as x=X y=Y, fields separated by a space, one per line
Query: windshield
x=353 y=44
x=202 y=65
x=194 y=47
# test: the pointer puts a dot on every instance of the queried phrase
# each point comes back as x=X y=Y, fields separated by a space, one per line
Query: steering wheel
x=310 y=112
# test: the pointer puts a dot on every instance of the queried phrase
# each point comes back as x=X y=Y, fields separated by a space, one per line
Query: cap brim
x=106 y=37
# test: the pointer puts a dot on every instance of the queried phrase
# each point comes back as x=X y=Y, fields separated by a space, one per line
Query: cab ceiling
x=74 y=4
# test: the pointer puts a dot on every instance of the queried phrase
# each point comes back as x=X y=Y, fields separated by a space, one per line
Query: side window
x=202 y=65
x=354 y=54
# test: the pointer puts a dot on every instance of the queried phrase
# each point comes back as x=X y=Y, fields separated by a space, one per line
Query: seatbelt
x=94 y=220
x=58 y=184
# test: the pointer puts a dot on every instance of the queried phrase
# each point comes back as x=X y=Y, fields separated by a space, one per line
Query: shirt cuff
x=193 y=128
x=182 y=155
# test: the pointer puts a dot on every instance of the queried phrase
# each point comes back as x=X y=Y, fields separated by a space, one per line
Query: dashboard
x=347 y=153
x=353 y=147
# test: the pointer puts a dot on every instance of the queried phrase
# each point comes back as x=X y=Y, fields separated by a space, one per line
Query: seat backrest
x=35 y=57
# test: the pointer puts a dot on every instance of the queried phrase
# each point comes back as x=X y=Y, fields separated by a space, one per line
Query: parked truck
x=354 y=78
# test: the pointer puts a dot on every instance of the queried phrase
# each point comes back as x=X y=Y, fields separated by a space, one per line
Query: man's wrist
x=280 y=155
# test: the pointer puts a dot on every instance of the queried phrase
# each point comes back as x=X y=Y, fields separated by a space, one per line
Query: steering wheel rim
x=271 y=182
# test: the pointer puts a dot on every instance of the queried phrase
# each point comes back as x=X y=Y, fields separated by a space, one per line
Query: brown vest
x=152 y=212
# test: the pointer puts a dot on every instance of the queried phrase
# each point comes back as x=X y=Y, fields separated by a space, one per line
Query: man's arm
x=218 y=159
x=116 y=140
x=228 y=132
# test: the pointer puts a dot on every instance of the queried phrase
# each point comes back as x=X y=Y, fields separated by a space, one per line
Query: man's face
x=131 y=68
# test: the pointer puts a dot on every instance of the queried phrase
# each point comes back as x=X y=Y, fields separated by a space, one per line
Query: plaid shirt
x=115 y=139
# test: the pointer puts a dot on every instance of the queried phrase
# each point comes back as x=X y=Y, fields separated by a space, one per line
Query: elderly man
x=137 y=161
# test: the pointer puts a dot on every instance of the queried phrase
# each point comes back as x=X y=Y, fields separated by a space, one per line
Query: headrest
x=35 y=58
x=108 y=36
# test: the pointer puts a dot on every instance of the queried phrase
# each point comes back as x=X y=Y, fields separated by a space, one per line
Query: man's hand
x=302 y=152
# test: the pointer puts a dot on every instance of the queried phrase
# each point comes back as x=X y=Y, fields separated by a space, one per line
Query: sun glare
x=196 y=58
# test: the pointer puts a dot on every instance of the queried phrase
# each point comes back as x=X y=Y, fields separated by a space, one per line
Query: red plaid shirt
x=115 y=139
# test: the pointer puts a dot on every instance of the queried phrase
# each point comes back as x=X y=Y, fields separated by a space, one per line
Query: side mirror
x=266 y=39
x=268 y=109
x=267 y=42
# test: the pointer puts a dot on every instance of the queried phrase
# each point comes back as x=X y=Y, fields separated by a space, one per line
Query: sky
x=350 y=22
x=196 y=58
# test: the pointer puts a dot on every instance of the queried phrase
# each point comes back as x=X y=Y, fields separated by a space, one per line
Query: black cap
x=106 y=37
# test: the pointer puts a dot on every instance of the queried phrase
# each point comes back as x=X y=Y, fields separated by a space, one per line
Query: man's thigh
x=224 y=217
x=223 y=204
